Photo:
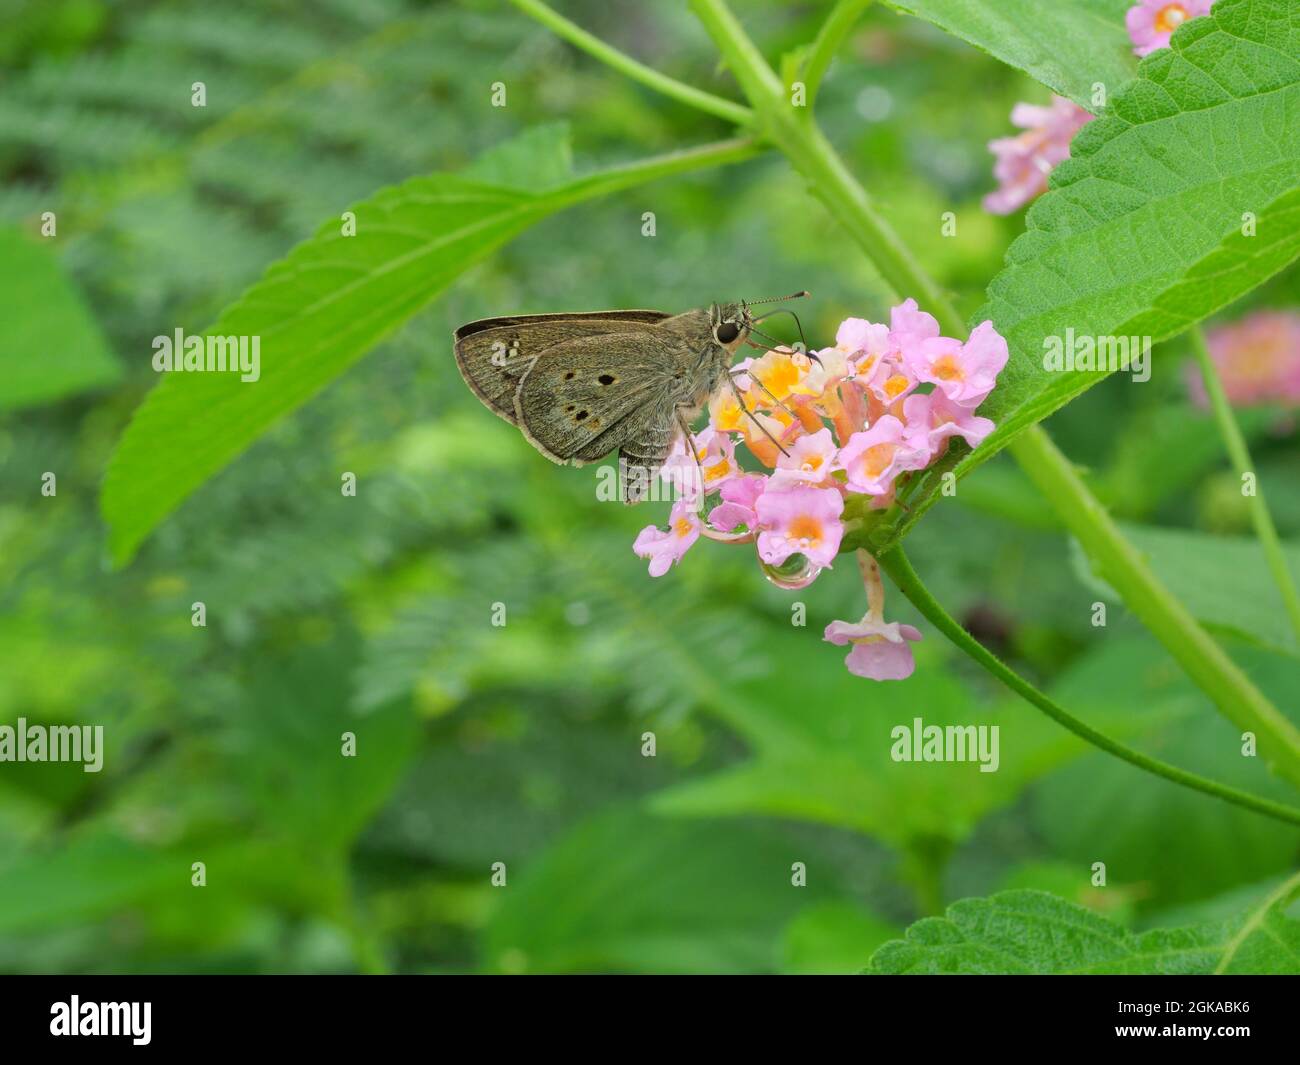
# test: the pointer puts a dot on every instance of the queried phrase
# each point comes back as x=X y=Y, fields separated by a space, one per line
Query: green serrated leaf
x=1031 y=932
x=1068 y=45
x=1142 y=233
x=50 y=345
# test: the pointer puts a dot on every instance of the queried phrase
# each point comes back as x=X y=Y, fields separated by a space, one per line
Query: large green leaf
x=1224 y=581
x=1141 y=233
x=50 y=345
x=822 y=742
x=1068 y=45
x=333 y=298
x=1031 y=932
x=635 y=893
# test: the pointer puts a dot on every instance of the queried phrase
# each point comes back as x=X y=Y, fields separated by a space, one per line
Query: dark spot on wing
x=605 y=379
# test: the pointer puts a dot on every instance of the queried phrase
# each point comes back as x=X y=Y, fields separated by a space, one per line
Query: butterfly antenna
x=786 y=310
x=778 y=299
x=770 y=340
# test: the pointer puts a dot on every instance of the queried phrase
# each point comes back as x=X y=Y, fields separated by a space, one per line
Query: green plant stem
x=728 y=110
x=1238 y=452
x=812 y=155
x=615 y=179
x=827 y=43
x=896 y=564
x=925 y=861
x=1121 y=565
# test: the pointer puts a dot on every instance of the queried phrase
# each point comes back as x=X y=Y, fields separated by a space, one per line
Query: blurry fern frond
x=65 y=136
x=226 y=32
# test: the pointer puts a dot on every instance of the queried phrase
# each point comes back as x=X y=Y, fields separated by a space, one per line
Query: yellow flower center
x=1170 y=17
x=946 y=368
x=812 y=463
x=729 y=417
x=806 y=529
x=779 y=376
x=682 y=528
x=896 y=386
x=876 y=459
x=718 y=469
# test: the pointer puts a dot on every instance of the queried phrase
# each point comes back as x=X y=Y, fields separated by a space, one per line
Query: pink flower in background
x=665 y=548
x=1152 y=22
x=800 y=520
x=1258 y=359
x=965 y=373
x=880 y=649
x=872 y=459
x=1024 y=161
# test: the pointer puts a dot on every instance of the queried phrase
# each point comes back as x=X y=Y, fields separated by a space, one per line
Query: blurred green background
x=522 y=744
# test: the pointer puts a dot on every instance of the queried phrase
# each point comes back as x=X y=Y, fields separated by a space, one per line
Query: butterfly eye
x=727 y=332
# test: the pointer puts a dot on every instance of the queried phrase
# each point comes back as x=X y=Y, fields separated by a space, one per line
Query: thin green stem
x=727 y=110
x=896 y=564
x=925 y=861
x=615 y=179
x=827 y=43
x=812 y=155
x=1238 y=452
x=1120 y=564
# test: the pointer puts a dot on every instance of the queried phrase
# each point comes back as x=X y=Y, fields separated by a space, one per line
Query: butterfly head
x=731 y=323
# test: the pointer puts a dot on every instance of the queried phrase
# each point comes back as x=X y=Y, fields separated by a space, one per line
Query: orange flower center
x=876 y=459
x=806 y=529
x=682 y=528
x=778 y=378
x=1170 y=17
x=718 y=469
x=896 y=386
x=946 y=368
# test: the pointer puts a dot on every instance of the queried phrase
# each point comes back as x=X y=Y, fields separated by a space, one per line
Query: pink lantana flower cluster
x=1257 y=359
x=1152 y=22
x=852 y=420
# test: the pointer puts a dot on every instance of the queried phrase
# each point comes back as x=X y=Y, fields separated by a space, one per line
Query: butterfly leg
x=689 y=442
x=769 y=393
x=741 y=400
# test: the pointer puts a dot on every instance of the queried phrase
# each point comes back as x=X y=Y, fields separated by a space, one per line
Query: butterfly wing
x=493 y=354
x=593 y=395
